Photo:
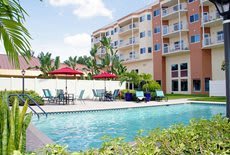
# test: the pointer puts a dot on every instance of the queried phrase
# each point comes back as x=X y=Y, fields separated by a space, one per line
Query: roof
x=6 y=64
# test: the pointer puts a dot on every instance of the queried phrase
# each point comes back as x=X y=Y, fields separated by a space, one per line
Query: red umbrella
x=105 y=75
x=66 y=71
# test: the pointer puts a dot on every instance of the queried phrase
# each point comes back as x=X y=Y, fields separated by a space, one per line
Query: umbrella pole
x=66 y=83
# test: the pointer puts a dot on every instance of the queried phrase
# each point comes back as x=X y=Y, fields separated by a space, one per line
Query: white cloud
x=80 y=42
x=85 y=8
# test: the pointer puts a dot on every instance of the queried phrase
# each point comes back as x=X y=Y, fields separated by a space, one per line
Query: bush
x=151 y=86
x=31 y=93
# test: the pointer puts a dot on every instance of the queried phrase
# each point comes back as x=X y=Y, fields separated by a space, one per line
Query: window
x=149 y=49
x=194 y=18
x=149 y=33
x=156 y=12
x=220 y=36
x=206 y=85
x=196 y=85
x=157 y=29
x=184 y=85
x=142 y=50
x=112 y=32
x=195 y=38
x=132 y=55
x=157 y=47
x=115 y=30
x=184 y=70
x=148 y=17
x=115 y=43
x=142 y=18
x=174 y=85
x=174 y=70
x=190 y=1
x=142 y=34
x=107 y=33
x=159 y=82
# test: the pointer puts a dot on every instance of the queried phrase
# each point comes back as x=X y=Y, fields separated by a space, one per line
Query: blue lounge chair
x=160 y=95
x=115 y=94
x=80 y=97
x=48 y=96
x=140 y=96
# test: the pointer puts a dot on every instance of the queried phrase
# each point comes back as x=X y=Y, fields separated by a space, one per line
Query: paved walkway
x=103 y=105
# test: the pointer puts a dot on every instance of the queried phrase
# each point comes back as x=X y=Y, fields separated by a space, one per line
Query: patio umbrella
x=105 y=75
x=66 y=71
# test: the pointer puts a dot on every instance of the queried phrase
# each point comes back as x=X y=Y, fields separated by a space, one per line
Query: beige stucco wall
x=177 y=59
x=145 y=66
x=217 y=59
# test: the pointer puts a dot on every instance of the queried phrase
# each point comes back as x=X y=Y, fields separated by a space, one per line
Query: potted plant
x=150 y=87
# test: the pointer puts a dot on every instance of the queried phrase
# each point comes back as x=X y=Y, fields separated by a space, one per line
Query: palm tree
x=47 y=64
x=223 y=66
x=13 y=34
x=72 y=62
x=131 y=77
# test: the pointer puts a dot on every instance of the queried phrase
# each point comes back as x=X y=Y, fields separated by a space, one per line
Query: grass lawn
x=193 y=97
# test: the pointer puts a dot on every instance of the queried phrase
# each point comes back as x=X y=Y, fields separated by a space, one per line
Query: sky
x=64 y=27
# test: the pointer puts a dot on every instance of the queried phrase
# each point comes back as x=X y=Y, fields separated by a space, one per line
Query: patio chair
x=95 y=95
x=115 y=94
x=48 y=96
x=160 y=95
x=101 y=94
x=140 y=96
x=80 y=97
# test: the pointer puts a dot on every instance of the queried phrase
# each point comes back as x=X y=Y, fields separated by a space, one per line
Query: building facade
x=187 y=43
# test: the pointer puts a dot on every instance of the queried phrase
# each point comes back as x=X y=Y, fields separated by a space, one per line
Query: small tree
x=223 y=66
x=71 y=62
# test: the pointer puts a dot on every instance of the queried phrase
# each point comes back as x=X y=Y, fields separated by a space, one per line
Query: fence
x=74 y=86
x=217 y=88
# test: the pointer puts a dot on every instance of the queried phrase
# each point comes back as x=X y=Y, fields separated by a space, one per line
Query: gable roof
x=6 y=64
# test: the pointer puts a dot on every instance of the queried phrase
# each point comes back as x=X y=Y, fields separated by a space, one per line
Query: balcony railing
x=211 y=17
x=215 y=40
x=128 y=42
x=129 y=57
x=175 y=48
x=174 y=28
x=173 y=9
x=128 y=27
x=101 y=52
x=96 y=40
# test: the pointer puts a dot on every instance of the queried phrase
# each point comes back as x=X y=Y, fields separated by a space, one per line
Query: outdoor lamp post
x=223 y=7
x=23 y=81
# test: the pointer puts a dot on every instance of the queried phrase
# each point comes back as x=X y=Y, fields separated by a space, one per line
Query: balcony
x=128 y=29
x=100 y=52
x=130 y=58
x=128 y=43
x=175 y=49
x=172 y=31
x=172 y=12
x=96 y=40
x=213 y=42
x=213 y=19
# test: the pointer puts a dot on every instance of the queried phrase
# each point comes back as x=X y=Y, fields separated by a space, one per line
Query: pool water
x=83 y=130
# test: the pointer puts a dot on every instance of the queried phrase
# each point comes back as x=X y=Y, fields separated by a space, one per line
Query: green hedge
x=31 y=93
x=201 y=136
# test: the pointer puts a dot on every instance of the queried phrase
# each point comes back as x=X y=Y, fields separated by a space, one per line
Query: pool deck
x=91 y=105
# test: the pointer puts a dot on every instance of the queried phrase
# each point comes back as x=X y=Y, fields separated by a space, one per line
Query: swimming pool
x=83 y=130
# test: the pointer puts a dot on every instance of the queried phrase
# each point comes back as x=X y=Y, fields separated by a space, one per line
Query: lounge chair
x=100 y=94
x=60 y=96
x=48 y=96
x=140 y=96
x=95 y=95
x=80 y=97
x=115 y=94
x=160 y=95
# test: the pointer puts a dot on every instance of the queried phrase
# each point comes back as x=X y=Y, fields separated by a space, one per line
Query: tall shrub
x=13 y=125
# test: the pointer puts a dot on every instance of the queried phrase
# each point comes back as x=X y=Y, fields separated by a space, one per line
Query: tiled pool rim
x=125 y=108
